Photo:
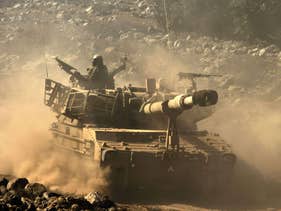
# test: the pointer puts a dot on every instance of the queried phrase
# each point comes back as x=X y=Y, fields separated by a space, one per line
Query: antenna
x=46 y=67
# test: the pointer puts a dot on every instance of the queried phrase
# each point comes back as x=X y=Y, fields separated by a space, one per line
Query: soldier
x=98 y=74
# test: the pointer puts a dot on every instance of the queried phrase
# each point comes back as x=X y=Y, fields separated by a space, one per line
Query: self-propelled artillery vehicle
x=134 y=132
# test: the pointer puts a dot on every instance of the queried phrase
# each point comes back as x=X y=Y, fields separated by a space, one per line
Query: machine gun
x=193 y=76
x=183 y=75
x=174 y=107
x=65 y=67
x=75 y=75
x=83 y=81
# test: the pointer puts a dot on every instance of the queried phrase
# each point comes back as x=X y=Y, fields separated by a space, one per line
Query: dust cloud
x=252 y=127
x=155 y=62
x=25 y=149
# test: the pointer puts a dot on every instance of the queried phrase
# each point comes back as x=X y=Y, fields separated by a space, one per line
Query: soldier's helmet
x=97 y=60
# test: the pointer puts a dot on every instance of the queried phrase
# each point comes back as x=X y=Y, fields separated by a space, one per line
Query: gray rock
x=178 y=44
x=16 y=6
x=35 y=189
x=19 y=184
x=4 y=182
x=262 y=52
x=3 y=190
x=89 y=10
x=92 y=197
x=75 y=207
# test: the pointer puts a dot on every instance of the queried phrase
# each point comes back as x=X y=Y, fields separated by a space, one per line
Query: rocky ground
x=33 y=31
x=19 y=194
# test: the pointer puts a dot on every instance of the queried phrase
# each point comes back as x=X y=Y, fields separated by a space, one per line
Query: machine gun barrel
x=184 y=75
x=82 y=80
x=182 y=102
x=64 y=66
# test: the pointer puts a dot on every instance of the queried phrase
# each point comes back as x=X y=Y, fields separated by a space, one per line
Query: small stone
x=94 y=197
x=142 y=5
x=75 y=207
x=59 y=15
x=177 y=44
x=214 y=48
x=106 y=203
x=4 y=182
x=91 y=197
x=109 y=50
x=262 y=52
x=89 y=10
x=14 y=199
x=3 y=189
x=16 y=6
x=61 y=202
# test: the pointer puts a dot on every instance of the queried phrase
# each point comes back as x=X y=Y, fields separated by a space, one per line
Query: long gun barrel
x=183 y=75
x=82 y=80
x=65 y=67
x=172 y=108
x=182 y=102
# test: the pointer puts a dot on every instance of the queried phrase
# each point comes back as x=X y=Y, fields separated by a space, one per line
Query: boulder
x=19 y=184
x=35 y=189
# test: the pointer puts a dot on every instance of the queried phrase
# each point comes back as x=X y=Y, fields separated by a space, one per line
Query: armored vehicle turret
x=134 y=132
